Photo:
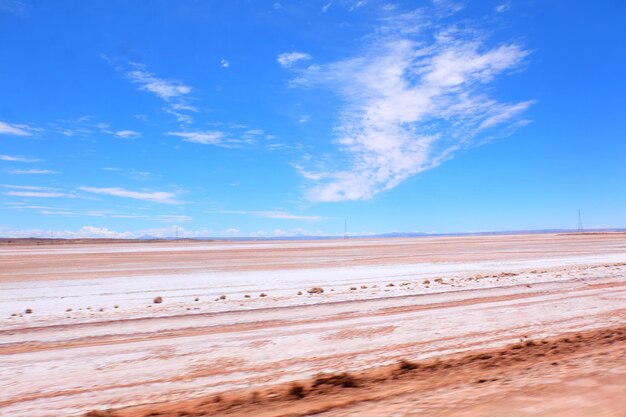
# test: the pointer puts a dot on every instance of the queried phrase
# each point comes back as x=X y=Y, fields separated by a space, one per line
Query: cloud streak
x=127 y=134
x=35 y=194
x=31 y=171
x=272 y=215
x=288 y=59
x=13 y=158
x=15 y=130
x=162 y=197
x=412 y=99
x=208 y=137
x=173 y=92
x=162 y=88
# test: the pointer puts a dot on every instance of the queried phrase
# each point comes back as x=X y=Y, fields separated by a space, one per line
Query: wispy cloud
x=224 y=63
x=287 y=59
x=31 y=171
x=16 y=129
x=414 y=97
x=272 y=215
x=27 y=187
x=501 y=8
x=174 y=92
x=13 y=158
x=162 y=88
x=16 y=7
x=207 y=137
x=36 y=194
x=127 y=134
x=154 y=196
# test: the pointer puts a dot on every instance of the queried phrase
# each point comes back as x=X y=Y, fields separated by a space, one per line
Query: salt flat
x=95 y=339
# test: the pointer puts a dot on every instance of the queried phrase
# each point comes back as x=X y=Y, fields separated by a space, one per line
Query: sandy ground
x=96 y=340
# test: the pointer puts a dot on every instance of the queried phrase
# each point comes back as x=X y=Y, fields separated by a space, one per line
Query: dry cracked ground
x=516 y=325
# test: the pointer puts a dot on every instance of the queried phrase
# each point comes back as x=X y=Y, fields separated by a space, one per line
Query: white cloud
x=287 y=59
x=409 y=105
x=57 y=213
x=173 y=92
x=501 y=8
x=16 y=7
x=27 y=187
x=31 y=171
x=327 y=6
x=165 y=89
x=224 y=63
x=12 y=158
x=35 y=194
x=125 y=134
x=272 y=215
x=86 y=232
x=15 y=130
x=155 y=196
x=208 y=137
x=173 y=218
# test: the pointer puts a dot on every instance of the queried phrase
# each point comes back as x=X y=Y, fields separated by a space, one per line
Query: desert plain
x=503 y=325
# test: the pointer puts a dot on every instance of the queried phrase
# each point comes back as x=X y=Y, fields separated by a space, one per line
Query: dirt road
x=238 y=315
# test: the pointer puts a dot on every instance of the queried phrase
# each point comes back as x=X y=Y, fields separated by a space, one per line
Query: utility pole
x=580 y=223
x=345 y=229
x=177 y=232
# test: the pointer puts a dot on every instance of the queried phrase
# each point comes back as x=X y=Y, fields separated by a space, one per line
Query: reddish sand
x=95 y=340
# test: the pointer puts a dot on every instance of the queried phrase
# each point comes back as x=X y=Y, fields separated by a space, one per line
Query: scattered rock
x=296 y=390
x=315 y=290
x=196 y=299
x=28 y=311
x=363 y=287
x=299 y=292
x=353 y=288
x=116 y=306
x=246 y=296
x=157 y=300
x=338 y=380
x=426 y=282
x=222 y=297
x=262 y=295
x=68 y=310
x=391 y=284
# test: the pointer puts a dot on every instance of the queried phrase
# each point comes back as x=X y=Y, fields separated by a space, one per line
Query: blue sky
x=253 y=118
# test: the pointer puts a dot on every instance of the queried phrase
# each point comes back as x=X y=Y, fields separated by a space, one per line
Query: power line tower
x=580 y=223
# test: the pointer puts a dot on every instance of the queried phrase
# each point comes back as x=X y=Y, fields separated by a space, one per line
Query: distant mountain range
x=392 y=235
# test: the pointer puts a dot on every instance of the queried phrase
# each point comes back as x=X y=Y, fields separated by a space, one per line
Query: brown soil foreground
x=524 y=366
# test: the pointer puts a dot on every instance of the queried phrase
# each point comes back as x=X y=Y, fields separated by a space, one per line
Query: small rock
x=158 y=300
x=316 y=290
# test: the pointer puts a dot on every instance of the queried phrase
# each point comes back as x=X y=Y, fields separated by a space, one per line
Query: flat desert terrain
x=515 y=325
